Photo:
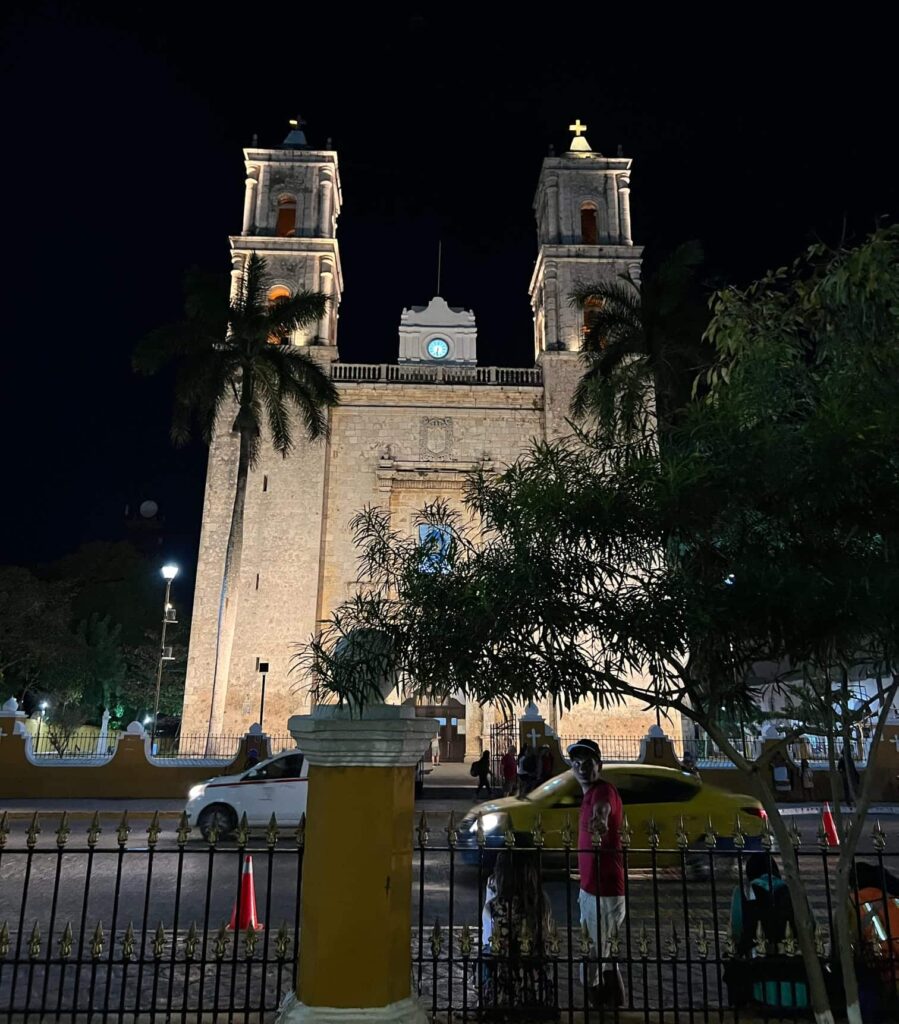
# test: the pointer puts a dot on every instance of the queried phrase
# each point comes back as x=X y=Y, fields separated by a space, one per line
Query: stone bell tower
x=290 y=212
x=583 y=215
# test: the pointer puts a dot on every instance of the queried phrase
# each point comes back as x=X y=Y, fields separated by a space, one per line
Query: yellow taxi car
x=649 y=794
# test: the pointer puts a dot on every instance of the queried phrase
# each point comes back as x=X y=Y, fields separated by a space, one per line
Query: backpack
x=473 y=771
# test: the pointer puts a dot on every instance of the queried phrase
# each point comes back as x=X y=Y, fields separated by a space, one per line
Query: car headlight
x=489 y=822
x=196 y=791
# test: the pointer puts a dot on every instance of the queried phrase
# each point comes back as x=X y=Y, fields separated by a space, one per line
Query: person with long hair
x=517 y=922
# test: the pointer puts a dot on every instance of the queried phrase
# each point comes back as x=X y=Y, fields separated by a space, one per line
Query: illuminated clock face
x=438 y=348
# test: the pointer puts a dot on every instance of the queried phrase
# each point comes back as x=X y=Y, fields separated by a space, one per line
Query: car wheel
x=220 y=817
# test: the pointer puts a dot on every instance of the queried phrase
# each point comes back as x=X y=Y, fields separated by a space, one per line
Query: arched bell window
x=286 y=223
x=276 y=294
x=589 y=226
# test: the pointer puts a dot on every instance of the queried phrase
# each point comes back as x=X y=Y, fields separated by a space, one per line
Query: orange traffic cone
x=246 y=901
x=830 y=827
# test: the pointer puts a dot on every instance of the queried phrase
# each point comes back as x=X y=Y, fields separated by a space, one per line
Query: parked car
x=277 y=786
x=648 y=793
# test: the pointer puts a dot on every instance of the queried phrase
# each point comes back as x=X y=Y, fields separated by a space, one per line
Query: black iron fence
x=117 y=922
x=101 y=922
x=87 y=743
x=678 y=951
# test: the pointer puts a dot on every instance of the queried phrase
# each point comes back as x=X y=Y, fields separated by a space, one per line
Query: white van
x=277 y=786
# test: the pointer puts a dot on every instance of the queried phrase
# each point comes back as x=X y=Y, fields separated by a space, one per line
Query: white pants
x=612 y=913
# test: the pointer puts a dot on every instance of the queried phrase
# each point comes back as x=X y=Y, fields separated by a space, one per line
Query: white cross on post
x=533 y=736
x=577 y=127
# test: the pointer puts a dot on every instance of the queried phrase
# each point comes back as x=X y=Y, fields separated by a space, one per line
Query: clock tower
x=438 y=333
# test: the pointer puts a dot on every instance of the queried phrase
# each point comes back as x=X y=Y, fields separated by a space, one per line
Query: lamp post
x=169 y=572
x=263 y=669
x=37 y=743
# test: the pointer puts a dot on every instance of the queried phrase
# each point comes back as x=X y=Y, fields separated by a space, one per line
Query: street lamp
x=37 y=743
x=263 y=669
x=169 y=572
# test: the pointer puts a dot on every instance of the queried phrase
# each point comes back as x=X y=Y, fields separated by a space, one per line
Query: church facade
x=404 y=434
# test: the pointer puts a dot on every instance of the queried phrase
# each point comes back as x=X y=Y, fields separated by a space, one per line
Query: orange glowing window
x=286 y=224
x=278 y=292
x=592 y=307
x=589 y=233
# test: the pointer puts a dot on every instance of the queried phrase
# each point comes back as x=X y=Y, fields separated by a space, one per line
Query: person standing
x=480 y=770
x=509 y=769
x=601 y=898
x=435 y=750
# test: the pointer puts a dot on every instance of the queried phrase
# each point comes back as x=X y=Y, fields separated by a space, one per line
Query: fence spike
x=879 y=837
x=249 y=941
x=680 y=834
x=300 y=834
x=424 y=830
x=242 y=833
x=767 y=836
x=4 y=939
x=128 y=942
x=436 y=939
x=220 y=943
x=465 y=941
x=597 y=831
x=567 y=833
x=730 y=948
x=97 y=942
x=191 y=941
x=64 y=831
x=615 y=941
x=552 y=940
x=65 y=941
x=183 y=831
x=819 y=940
x=537 y=833
x=524 y=938
x=159 y=942
x=272 y=832
x=585 y=942
x=625 y=832
x=34 y=830
x=795 y=835
x=34 y=943
x=738 y=835
x=153 y=830
x=789 y=946
x=711 y=836
x=821 y=836
x=123 y=830
x=452 y=833
x=653 y=834
x=4 y=829
x=93 y=832
x=672 y=945
x=702 y=940
x=760 y=942
x=480 y=834
x=282 y=942
x=509 y=837
x=643 y=941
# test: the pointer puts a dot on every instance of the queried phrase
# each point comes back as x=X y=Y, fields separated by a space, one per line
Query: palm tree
x=233 y=357
x=642 y=341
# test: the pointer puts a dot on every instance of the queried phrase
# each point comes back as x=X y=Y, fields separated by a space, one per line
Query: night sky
x=123 y=129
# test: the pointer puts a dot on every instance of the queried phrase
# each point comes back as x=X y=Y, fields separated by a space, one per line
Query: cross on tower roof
x=579 y=144
x=577 y=127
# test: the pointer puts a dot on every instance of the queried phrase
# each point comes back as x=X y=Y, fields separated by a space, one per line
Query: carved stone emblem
x=436 y=438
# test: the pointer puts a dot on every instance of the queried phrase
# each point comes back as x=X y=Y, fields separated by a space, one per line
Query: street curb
x=89 y=815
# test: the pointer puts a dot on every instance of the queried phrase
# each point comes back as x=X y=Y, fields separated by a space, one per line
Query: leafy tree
x=764 y=529
x=643 y=344
x=234 y=363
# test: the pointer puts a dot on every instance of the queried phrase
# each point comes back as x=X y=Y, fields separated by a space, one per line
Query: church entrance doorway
x=451 y=719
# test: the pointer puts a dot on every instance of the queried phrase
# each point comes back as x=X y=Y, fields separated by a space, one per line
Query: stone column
x=326 y=287
x=356 y=913
x=624 y=195
x=613 y=232
x=236 y=274
x=326 y=205
x=552 y=211
x=552 y=332
x=249 y=200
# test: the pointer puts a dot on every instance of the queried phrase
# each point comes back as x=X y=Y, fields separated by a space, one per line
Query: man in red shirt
x=601 y=898
x=509 y=769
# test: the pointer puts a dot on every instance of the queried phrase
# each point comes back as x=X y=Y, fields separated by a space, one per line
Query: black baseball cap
x=585 y=747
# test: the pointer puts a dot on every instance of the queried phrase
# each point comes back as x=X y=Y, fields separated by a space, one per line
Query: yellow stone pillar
x=356 y=910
